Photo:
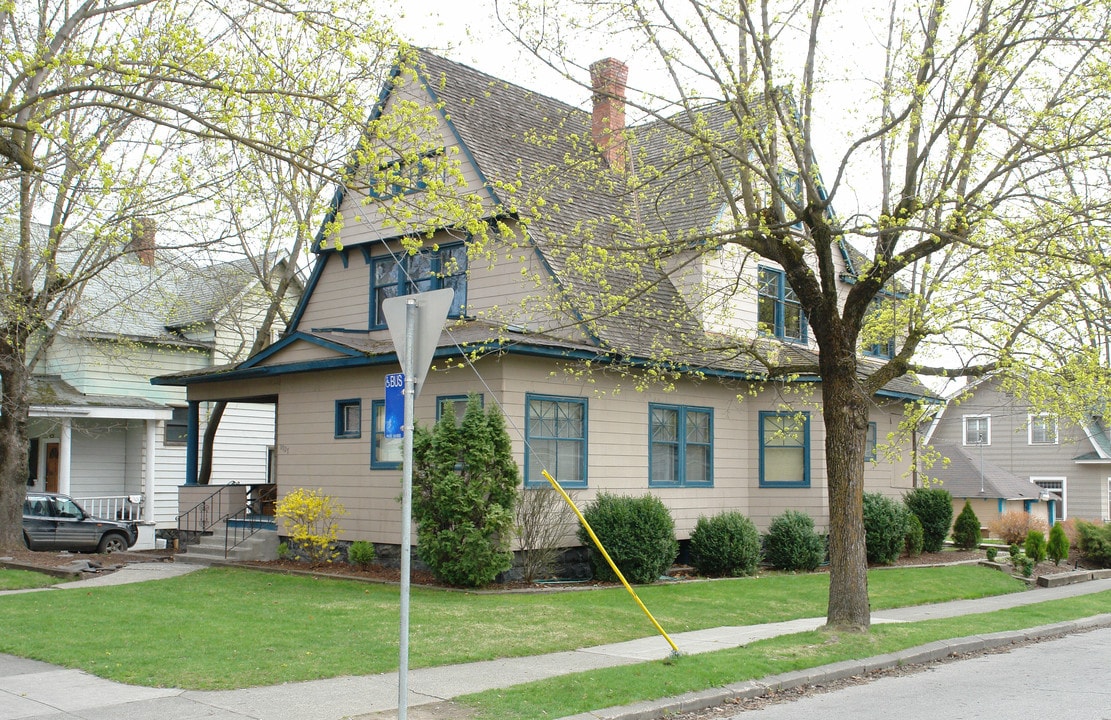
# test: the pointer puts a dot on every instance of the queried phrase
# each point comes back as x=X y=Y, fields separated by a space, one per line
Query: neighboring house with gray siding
x=1065 y=467
x=99 y=431
x=716 y=438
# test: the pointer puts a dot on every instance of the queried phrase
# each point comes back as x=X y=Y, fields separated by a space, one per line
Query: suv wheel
x=112 y=542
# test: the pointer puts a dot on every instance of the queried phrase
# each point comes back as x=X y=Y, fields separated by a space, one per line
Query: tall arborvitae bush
x=934 y=508
x=465 y=484
x=1058 y=546
x=966 y=528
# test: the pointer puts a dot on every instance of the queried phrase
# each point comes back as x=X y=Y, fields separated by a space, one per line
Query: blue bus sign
x=395 y=405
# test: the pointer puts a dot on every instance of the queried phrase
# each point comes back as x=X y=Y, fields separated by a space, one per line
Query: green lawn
x=23 y=579
x=228 y=628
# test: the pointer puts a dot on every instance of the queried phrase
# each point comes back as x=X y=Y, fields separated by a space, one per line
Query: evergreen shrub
x=966 y=528
x=792 y=543
x=1057 y=549
x=934 y=509
x=464 y=489
x=1035 y=546
x=1095 y=542
x=637 y=532
x=914 y=538
x=361 y=553
x=885 y=523
x=727 y=544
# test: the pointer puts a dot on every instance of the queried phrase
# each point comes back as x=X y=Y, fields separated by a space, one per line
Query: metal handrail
x=245 y=529
x=201 y=510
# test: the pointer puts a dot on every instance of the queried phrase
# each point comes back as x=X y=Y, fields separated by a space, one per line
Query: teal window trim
x=690 y=434
x=551 y=429
x=778 y=308
x=870 y=443
x=454 y=401
x=766 y=442
x=378 y=438
x=403 y=178
x=405 y=274
x=349 y=418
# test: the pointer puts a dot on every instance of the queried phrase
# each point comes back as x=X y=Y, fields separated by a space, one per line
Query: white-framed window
x=1058 y=487
x=977 y=429
x=1042 y=429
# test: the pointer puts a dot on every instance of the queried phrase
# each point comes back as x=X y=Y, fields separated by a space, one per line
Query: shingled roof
x=516 y=135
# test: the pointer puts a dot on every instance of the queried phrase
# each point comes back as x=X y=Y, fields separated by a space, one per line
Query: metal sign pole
x=406 y=512
x=415 y=323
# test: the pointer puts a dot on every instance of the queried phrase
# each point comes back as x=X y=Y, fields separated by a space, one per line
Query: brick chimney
x=142 y=240
x=607 y=79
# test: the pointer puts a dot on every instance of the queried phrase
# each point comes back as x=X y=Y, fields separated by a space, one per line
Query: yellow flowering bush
x=310 y=518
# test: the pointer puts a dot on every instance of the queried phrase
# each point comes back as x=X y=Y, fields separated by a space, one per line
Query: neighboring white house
x=100 y=432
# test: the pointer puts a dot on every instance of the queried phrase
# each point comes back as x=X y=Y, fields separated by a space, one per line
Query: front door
x=53 y=449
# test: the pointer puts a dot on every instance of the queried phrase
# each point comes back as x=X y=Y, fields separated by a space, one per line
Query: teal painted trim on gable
x=310 y=287
x=295 y=337
x=459 y=138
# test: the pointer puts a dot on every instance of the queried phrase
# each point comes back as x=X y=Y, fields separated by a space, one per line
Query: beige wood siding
x=341 y=298
x=309 y=455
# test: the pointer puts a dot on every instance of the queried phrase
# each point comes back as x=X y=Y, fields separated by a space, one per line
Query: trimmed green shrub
x=1057 y=549
x=1095 y=542
x=966 y=528
x=637 y=532
x=913 y=538
x=934 y=508
x=464 y=488
x=725 y=544
x=991 y=553
x=1035 y=546
x=361 y=553
x=885 y=523
x=792 y=543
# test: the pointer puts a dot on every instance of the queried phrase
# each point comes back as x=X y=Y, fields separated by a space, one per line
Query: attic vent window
x=401 y=177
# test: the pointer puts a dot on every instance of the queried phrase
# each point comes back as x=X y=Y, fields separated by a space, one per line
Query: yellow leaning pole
x=606 y=555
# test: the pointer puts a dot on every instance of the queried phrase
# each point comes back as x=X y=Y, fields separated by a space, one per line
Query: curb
x=930 y=652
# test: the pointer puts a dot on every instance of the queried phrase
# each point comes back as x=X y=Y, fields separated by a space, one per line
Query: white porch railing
x=113 y=507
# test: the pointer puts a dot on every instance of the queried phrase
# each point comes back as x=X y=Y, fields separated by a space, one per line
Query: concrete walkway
x=31 y=689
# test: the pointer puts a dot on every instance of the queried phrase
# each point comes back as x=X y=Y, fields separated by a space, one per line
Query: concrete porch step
x=263 y=545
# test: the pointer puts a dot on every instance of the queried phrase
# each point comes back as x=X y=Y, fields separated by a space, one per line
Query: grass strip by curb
x=568 y=695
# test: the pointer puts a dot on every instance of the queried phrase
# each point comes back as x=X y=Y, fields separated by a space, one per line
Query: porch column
x=148 y=471
x=1052 y=503
x=192 y=442
x=65 y=451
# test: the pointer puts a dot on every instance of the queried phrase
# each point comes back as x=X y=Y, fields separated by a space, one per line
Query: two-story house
x=99 y=431
x=1044 y=465
x=566 y=340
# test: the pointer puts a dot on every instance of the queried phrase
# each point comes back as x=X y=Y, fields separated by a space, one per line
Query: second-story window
x=431 y=269
x=977 y=430
x=1043 y=430
x=778 y=309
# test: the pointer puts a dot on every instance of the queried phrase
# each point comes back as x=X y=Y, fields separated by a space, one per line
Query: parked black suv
x=55 y=522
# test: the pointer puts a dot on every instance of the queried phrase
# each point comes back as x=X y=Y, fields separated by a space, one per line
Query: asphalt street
x=1068 y=677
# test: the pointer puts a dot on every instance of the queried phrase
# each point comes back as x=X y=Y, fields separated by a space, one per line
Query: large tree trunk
x=13 y=444
x=845 y=410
